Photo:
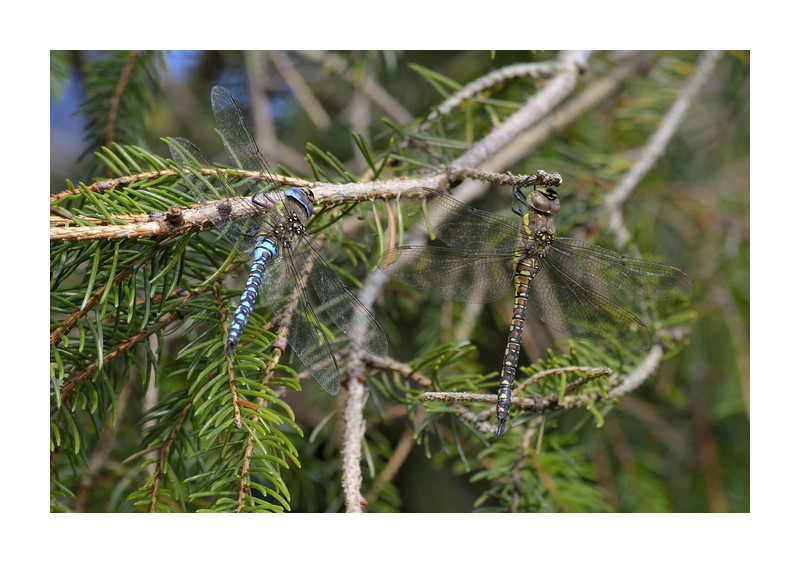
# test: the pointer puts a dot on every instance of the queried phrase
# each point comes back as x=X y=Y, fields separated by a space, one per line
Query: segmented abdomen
x=264 y=251
x=526 y=269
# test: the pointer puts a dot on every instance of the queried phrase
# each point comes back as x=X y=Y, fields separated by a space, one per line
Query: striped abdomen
x=264 y=251
x=526 y=269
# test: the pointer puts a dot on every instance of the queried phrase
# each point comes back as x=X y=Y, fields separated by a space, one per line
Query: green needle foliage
x=147 y=414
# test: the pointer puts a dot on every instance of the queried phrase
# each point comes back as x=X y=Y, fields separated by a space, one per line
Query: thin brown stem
x=113 y=110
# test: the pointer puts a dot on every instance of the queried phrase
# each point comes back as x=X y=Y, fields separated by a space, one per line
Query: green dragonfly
x=573 y=286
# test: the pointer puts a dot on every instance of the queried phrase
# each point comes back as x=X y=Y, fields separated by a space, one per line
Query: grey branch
x=536 y=108
x=655 y=147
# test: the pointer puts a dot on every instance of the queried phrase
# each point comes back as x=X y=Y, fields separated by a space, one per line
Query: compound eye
x=545 y=201
x=303 y=197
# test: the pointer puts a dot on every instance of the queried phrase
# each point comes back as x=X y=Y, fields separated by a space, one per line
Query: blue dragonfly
x=269 y=223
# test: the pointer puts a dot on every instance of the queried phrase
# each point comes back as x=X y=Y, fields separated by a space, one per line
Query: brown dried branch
x=113 y=110
x=69 y=385
x=179 y=220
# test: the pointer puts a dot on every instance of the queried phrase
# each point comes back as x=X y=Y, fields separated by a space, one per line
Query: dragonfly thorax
x=288 y=213
x=538 y=233
x=286 y=231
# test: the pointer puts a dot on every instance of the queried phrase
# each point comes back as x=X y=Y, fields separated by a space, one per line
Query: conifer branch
x=391 y=365
x=235 y=406
x=177 y=220
x=72 y=383
x=164 y=449
x=537 y=403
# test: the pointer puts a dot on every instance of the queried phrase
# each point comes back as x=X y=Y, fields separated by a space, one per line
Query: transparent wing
x=343 y=308
x=463 y=275
x=235 y=217
x=456 y=224
x=582 y=313
x=235 y=132
x=243 y=150
x=617 y=276
x=282 y=282
x=580 y=286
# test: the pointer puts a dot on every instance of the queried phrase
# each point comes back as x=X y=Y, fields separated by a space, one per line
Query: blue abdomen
x=264 y=251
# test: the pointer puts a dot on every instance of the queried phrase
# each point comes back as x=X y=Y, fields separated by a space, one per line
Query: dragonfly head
x=303 y=197
x=544 y=200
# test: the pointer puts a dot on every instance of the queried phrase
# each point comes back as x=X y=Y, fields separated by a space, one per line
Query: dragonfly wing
x=235 y=132
x=307 y=338
x=243 y=150
x=456 y=224
x=617 y=276
x=580 y=312
x=235 y=217
x=473 y=277
x=344 y=308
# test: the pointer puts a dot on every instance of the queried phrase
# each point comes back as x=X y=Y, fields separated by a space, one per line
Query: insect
x=268 y=223
x=573 y=286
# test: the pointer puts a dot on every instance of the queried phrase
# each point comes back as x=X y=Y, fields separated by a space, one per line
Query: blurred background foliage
x=679 y=443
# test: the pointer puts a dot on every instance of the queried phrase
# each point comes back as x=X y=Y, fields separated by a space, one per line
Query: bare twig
x=541 y=178
x=308 y=101
x=655 y=147
x=354 y=429
x=389 y=364
x=558 y=120
x=558 y=88
x=365 y=84
x=181 y=220
x=487 y=81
